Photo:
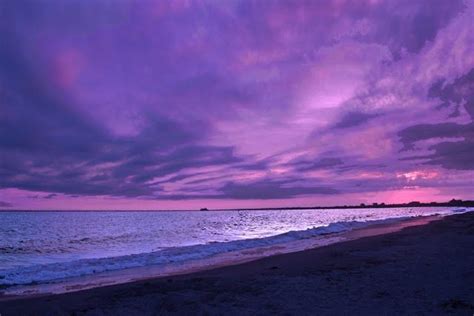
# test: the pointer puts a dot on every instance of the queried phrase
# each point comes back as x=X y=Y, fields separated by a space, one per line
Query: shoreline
x=224 y=259
x=425 y=269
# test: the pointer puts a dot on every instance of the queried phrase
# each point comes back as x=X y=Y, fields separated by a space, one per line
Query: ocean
x=46 y=247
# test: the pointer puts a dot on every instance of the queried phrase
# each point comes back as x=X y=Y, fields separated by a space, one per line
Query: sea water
x=42 y=247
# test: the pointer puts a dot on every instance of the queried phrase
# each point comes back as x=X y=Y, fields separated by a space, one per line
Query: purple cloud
x=233 y=101
x=5 y=204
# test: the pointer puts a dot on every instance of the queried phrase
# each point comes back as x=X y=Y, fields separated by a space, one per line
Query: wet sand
x=425 y=269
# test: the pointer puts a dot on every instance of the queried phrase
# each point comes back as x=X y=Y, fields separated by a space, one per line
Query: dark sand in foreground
x=420 y=270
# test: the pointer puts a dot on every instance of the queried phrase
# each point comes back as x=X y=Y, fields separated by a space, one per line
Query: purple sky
x=222 y=104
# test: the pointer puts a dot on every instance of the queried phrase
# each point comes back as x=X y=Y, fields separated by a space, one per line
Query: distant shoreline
x=452 y=203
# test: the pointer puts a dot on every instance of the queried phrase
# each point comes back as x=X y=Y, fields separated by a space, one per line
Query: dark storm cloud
x=353 y=119
x=362 y=167
x=5 y=204
x=411 y=30
x=450 y=155
x=409 y=136
x=142 y=169
x=126 y=178
x=47 y=197
x=456 y=154
x=324 y=163
x=271 y=190
x=459 y=93
x=38 y=130
x=32 y=114
x=263 y=189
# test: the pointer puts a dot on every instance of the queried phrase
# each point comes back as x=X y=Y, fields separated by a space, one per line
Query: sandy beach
x=424 y=269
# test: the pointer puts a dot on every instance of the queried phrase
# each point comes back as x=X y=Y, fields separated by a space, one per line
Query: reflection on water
x=28 y=238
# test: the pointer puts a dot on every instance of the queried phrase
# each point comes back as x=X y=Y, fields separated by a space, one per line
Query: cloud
x=324 y=163
x=49 y=147
x=410 y=135
x=353 y=119
x=47 y=197
x=232 y=100
x=412 y=29
x=271 y=190
x=457 y=94
x=455 y=154
x=5 y=204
